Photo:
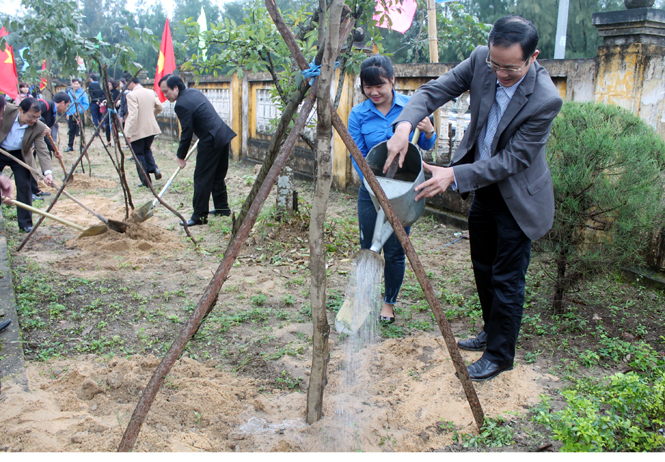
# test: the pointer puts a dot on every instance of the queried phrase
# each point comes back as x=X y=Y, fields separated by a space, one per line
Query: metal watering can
x=401 y=190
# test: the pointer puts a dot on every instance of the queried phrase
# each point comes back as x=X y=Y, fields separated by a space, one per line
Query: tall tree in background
x=458 y=32
x=582 y=37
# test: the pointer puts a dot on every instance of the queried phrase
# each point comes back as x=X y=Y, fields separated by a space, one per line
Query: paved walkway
x=12 y=362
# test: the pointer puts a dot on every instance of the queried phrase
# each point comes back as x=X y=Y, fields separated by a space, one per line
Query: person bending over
x=198 y=117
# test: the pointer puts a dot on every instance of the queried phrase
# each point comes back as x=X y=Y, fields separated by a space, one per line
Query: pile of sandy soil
x=146 y=243
x=405 y=388
x=83 y=182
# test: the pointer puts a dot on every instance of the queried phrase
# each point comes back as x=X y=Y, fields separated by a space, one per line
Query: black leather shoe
x=386 y=319
x=158 y=174
x=5 y=324
x=27 y=229
x=474 y=344
x=69 y=149
x=484 y=369
x=200 y=221
x=221 y=213
x=36 y=198
x=43 y=194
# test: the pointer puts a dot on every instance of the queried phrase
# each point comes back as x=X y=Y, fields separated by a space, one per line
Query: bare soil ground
x=98 y=313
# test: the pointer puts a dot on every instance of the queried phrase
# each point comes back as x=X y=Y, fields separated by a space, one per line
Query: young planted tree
x=608 y=170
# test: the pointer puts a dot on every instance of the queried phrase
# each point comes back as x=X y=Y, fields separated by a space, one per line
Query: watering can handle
x=390 y=173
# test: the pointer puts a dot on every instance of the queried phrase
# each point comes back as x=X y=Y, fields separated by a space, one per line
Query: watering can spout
x=382 y=231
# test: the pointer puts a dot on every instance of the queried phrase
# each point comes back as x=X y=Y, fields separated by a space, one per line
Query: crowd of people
x=501 y=158
x=137 y=108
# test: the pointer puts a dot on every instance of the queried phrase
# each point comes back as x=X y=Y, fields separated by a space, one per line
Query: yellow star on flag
x=9 y=59
x=160 y=62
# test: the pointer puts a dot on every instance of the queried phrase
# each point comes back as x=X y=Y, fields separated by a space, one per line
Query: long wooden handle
x=20 y=162
x=48 y=215
x=57 y=154
x=168 y=183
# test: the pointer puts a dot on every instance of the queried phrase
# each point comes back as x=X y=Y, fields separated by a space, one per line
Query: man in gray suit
x=501 y=158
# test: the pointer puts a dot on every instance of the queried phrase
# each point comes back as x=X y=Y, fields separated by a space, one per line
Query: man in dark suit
x=198 y=117
x=502 y=158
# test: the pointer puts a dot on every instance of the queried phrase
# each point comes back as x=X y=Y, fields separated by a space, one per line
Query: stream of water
x=364 y=294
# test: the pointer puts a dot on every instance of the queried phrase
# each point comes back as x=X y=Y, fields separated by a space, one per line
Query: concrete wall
x=628 y=71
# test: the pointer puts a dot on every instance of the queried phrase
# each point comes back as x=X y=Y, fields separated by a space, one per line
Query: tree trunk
x=317 y=249
x=275 y=145
x=560 y=284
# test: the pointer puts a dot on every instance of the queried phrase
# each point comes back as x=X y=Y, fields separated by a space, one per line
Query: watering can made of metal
x=400 y=190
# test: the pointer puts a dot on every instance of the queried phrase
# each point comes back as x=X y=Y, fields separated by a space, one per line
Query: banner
x=166 y=61
x=400 y=14
x=8 y=75
x=203 y=27
x=43 y=82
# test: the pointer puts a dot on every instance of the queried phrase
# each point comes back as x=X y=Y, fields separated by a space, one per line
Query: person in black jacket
x=198 y=117
x=51 y=112
x=96 y=97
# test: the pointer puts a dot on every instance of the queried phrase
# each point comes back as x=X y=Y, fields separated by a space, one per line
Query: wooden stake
x=433 y=53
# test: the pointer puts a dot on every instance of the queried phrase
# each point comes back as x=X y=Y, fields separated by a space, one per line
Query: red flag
x=8 y=75
x=43 y=82
x=166 y=61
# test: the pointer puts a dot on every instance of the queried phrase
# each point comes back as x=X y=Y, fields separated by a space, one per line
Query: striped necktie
x=488 y=131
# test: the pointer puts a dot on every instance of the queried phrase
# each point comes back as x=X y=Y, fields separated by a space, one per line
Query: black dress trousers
x=500 y=254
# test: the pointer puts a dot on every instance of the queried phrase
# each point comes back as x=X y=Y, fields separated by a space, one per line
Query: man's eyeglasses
x=31 y=116
x=507 y=70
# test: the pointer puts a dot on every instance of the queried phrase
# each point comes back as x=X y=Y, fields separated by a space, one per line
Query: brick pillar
x=631 y=63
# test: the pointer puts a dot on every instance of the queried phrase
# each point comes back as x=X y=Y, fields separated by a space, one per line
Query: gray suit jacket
x=33 y=136
x=518 y=164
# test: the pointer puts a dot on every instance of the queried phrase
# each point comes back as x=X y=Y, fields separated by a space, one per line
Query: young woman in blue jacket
x=79 y=103
x=370 y=123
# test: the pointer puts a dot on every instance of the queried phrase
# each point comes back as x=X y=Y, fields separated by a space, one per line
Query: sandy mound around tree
x=83 y=182
x=404 y=389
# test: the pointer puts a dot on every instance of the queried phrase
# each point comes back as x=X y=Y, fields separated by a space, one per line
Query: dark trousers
x=393 y=271
x=96 y=115
x=500 y=253
x=144 y=155
x=73 y=129
x=23 y=192
x=212 y=163
x=107 y=125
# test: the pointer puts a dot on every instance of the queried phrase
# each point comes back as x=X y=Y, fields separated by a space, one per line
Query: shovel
x=59 y=156
x=117 y=226
x=353 y=313
x=147 y=210
x=91 y=231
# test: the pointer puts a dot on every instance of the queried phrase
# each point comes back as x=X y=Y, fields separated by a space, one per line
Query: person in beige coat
x=141 y=126
x=20 y=130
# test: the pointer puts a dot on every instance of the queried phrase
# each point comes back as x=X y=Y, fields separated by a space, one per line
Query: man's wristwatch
x=429 y=135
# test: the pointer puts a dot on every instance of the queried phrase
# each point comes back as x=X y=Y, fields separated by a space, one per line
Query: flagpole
x=433 y=52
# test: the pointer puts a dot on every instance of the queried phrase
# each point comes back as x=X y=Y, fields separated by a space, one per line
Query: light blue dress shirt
x=369 y=127
x=14 y=139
